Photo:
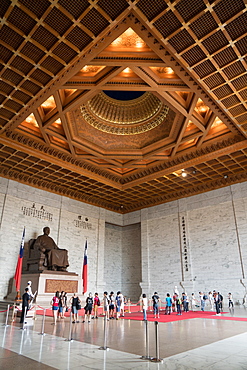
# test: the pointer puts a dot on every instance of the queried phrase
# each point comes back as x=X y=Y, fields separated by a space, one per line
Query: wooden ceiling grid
x=56 y=56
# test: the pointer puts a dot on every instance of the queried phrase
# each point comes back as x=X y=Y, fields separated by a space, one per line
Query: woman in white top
x=144 y=302
x=211 y=300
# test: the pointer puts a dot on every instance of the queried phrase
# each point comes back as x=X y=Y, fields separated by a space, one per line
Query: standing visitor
x=61 y=306
x=168 y=304
x=217 y=301
x=155 y=299
x=88 y=308
x=193 y=302
x=96 y=304
x=185 y=302
x=55 y=306
x=65 y=302
x=118 y=305
x=111 y=305
x=25 y=305
x=178 y=305
x=75 y=305
x=221 y=301
x=230 y=300
x=211 y=300
x=144 y=303
x=122 y=304
x=202 y=301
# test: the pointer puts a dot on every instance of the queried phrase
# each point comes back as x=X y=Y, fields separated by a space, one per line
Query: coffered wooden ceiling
x=70 y=123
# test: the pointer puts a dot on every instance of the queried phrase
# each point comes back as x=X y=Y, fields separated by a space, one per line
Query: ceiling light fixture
x=184 y=174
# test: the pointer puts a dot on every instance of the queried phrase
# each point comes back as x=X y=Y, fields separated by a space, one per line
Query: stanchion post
x=35 y=314
x=129 y=305
x=43 y=323
x=24 y=319
x=146 y=357
x=7 y=316
x=157 y=358
x=105 y=339
x=70 y=328
x=13 y=313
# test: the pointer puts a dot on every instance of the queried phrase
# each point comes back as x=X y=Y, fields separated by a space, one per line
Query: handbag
x=66 y=309
x=78 y=306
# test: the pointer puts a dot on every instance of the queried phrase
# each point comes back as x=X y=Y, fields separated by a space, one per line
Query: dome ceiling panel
x=57 y=120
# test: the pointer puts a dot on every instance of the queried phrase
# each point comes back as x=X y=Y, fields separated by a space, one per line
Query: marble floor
x=188 y=344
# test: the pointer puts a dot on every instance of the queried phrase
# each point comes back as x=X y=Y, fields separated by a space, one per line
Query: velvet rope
x=7 y=309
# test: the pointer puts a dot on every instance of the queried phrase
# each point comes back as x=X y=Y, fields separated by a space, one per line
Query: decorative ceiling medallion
x=129 y=117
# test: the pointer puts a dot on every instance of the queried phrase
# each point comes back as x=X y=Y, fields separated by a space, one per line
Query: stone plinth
x=46 y=283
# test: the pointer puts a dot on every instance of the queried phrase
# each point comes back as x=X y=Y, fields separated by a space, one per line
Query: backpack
x=118 y=301
x=155 y=299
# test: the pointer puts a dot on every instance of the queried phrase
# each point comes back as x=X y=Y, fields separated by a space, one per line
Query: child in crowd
x=168 y=304
x=96 y=304
x=118 y=304
x=178 y=305
x=111 y=305
x=88 y=308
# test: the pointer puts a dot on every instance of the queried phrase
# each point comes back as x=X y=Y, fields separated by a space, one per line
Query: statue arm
x=39 y=245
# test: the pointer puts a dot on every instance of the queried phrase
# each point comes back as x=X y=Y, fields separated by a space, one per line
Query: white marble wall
x=131 y=261
x=142 y=249
x=217 y=243
x=64 y=230
x=113 y=258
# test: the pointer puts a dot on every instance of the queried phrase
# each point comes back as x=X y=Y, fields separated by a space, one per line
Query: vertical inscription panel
x=52 y=286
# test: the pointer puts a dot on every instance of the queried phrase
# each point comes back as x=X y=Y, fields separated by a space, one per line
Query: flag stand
x=18 y=296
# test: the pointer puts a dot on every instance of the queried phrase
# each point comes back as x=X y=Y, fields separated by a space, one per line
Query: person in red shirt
x=96 y=304
x=55 y=306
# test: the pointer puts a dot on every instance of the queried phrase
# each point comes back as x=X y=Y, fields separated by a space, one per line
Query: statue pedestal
x=47 y=282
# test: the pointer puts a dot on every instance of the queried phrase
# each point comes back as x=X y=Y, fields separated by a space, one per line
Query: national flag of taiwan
x=18 y=269
x=84 y=270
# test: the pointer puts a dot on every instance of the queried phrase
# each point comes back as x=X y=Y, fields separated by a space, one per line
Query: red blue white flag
x=84 y=270
x=18 y=269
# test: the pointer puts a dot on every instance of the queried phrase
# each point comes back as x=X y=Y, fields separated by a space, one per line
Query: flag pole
x=18 y=269
x=84 y=270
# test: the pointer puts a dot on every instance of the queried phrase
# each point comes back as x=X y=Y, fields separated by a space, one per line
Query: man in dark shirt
x=25 y=304
x=155 y=299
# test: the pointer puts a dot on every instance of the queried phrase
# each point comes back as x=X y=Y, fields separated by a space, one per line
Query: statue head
x=46 y=230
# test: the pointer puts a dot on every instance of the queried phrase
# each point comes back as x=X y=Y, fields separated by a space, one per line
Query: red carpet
x=184 y=316
x=136 y=315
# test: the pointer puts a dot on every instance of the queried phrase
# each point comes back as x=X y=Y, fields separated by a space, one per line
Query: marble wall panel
x=113 y=258
x=131 y=261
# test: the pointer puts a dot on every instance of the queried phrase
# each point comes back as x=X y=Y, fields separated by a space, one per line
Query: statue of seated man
x=56 y=258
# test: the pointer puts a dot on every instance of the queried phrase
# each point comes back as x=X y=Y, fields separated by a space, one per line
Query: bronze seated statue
x=44 y=254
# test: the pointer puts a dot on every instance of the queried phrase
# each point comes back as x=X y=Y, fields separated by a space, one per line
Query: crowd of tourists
x=113 y=306
x=185 y=303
